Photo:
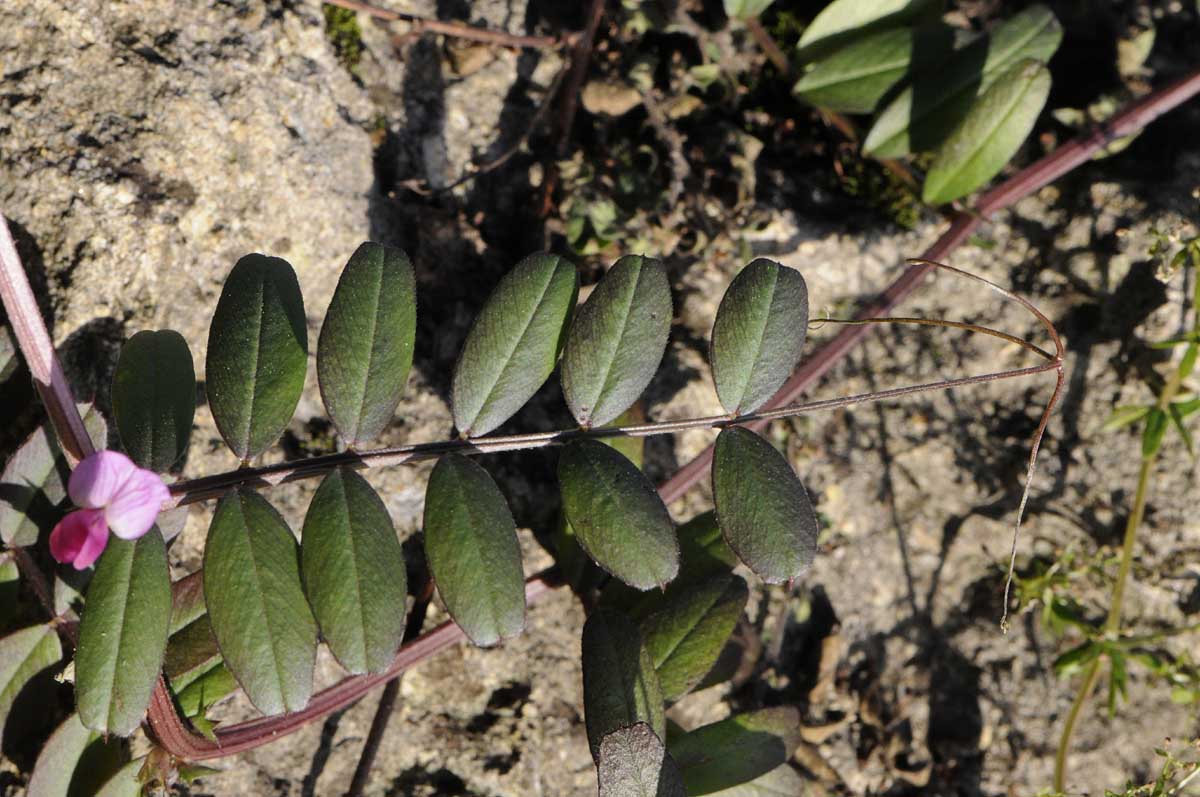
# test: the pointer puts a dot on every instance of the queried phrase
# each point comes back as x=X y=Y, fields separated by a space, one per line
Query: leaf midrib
x=260 y=594
x=758 y=346
x=354 y=577
x=615 y=349
x=118 y=658
x=857 y=74
x=516 y=344
x=373 y=323
x=260 y=307
x=466 y=505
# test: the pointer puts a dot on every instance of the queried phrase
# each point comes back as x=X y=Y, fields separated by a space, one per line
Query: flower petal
x=98 y=478
x=133 y=510
x=79 y=538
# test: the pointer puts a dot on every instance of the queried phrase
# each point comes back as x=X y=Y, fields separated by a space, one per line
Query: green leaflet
x=125 y=783
x=620 y=686
x=617 y=340
x=634 y=763
x=737 y=750
x=34 y=482
x=702 y=549
x=514 y=343
x=123 y=633
x=703 y=553
x=74 y=761
x=746 y=9
x=191 y=652
x=154 y=398
x=209 y=688
x=573 y=562
x=10 y=587
x=617 y=515
x=843 y=21
x=758 y=334
x=55 y=766
x=687 y=629
x=354 y=572
x=782 y=781
x=471 y=544
x=257 y=608
x=762 y=507
x=9 y=361
x=257 y=354
x=854 y=78
x=24 y=654
x=365 y=348
x=187 y=600
x=924 y=113
x=992 y=132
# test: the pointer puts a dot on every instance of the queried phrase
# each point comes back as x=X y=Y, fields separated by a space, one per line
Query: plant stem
x=768 y=46
x=1112 y=623
x=209 y=487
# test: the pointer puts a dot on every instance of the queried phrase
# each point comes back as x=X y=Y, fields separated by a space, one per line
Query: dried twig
x=459 y=30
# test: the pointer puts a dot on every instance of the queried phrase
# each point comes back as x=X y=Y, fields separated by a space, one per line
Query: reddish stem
x=175 y=737
x=34 y=341
x=1030 y=179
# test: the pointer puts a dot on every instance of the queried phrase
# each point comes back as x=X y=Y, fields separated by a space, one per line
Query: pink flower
x=112 y=493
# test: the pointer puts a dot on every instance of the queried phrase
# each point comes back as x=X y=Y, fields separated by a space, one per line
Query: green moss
x=341 y=27
x=880 y=188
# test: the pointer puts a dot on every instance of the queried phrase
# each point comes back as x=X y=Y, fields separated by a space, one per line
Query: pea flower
x=112 y=493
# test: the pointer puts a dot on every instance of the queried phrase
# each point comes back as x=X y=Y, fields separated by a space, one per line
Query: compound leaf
x=471 y=544
x=365 y=349
x=257 y=354
x=154 y=398
x=634 y=763
x=992 y=132
x=354 y=574
x=123 y=633
x=620 y=686
x=617 y=340
x=736 y=750
x=514 y=344
x=256 y=605
x=762 y=507
x=686 y=631
x=758 y=334
x=617 y=515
